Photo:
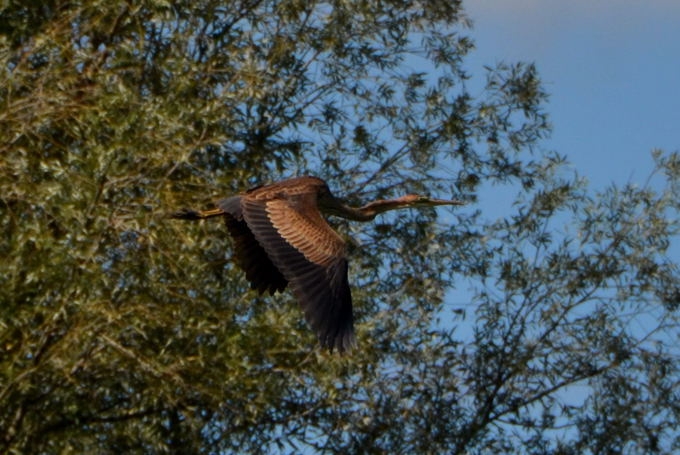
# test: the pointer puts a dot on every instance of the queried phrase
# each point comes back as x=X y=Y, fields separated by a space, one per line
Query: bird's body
x=281 y=238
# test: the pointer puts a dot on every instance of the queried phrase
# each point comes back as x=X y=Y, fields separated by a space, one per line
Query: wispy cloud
x=537 y=26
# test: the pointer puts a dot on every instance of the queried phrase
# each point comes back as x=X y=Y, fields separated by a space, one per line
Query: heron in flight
x=281 y=238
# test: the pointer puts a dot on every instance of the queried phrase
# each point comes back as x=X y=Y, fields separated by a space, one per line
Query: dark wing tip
x=343 y=342
x=328 y=307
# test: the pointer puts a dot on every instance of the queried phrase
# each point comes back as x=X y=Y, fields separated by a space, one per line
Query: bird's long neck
x=350 y=213
x=369 y=211
x=366 y=213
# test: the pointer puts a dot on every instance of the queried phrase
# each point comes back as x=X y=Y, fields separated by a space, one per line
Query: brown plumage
x=281 y=238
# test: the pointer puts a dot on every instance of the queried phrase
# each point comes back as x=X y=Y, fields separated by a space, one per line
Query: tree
x=123 y=331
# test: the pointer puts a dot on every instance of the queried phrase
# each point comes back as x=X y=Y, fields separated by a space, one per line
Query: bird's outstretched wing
x=311 y=257
x=249 y=254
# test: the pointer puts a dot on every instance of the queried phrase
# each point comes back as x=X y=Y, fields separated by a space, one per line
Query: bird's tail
x=188 y=214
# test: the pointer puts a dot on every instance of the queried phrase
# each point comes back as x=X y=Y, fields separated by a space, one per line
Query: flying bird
x=281 y=238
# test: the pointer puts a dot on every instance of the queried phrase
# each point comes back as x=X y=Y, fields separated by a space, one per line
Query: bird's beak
x=446 y=201
x=428 y=202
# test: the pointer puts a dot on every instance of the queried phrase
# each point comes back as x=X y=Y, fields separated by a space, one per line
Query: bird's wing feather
x=249 y=254
x=310 y=255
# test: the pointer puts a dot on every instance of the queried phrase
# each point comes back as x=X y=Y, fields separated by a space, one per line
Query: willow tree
x=123 y=331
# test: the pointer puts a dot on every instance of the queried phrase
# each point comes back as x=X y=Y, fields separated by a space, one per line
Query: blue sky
x=611 y=67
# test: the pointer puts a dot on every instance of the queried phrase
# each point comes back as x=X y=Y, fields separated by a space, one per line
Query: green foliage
x=122 y=331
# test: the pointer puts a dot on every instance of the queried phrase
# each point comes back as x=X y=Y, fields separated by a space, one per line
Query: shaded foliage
x=121 y=331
